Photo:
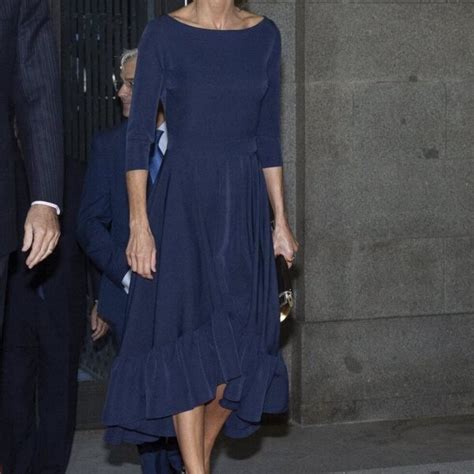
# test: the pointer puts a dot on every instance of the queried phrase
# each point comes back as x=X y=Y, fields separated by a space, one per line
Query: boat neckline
x=175 y=20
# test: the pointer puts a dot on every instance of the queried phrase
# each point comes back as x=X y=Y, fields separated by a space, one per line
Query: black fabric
x=103 y=222
x=3 y=286
x=42 y=343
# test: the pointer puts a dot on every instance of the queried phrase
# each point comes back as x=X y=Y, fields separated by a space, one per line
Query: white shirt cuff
x=126 y=281
x=50 y=204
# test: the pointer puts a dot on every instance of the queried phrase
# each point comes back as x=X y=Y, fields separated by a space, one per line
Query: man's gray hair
x=128 y=55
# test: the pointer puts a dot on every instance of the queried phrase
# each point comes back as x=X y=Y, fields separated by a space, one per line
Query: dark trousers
x=3 y=288
x=39 y=383
x=5 y=442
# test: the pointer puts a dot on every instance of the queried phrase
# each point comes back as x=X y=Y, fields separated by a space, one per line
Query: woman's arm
x=141 y=250
x=284 y=243
x=147 y=91
x=269 y=153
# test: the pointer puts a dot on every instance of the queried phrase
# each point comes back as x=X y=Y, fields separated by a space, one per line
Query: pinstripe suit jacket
x=29 y=92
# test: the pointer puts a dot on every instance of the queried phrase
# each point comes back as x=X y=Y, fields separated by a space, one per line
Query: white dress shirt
x=49 y=204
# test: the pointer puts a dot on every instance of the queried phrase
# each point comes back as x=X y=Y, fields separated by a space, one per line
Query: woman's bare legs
x=189 y=427
x=197 y=431
x=214 y=418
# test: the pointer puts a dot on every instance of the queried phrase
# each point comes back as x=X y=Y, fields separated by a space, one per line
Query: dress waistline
x=190 y=143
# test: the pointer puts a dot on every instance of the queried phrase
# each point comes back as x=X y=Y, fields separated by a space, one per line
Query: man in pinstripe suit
x=29 y=95
x=30 y=92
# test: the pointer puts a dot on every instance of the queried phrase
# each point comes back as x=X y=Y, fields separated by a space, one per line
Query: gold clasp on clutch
x=286 y=304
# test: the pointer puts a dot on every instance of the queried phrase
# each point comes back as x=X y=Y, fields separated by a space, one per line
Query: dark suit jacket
x=62 y=275
x=103 y=224
x=29 y=91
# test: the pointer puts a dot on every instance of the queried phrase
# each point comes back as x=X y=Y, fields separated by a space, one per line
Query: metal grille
x=96 y=359
x=93 y=35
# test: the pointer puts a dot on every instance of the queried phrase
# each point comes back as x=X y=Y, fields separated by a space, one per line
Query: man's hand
x=99 y=327
x=41 y=233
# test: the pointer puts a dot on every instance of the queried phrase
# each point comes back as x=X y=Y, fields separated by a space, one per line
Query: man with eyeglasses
x=103 y=232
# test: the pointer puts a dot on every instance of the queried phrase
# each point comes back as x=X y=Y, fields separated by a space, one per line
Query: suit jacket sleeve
x=37 y=100
x=95 y=218
x=93 y=281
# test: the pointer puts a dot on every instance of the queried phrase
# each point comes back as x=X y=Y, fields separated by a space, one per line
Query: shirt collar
x=163 y=143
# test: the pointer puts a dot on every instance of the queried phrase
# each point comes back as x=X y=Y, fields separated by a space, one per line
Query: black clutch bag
x=285 y=291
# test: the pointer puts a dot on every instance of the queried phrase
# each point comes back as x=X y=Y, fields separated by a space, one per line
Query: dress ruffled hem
x=146 y=389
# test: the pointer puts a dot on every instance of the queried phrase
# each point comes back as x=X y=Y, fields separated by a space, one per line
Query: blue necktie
x=156 y=157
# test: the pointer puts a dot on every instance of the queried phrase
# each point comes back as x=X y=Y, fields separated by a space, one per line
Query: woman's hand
x=141 y=250
x=284 y=242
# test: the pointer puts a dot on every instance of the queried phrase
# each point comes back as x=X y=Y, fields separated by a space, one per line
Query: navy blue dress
x=210 y=315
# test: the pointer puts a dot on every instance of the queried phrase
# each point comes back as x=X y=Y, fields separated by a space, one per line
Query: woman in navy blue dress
x=201 y=345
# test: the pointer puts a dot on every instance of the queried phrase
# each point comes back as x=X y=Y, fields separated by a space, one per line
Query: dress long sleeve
x=149 y=80
x=268 y=132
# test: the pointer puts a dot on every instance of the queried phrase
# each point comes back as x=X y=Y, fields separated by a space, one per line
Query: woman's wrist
x=281 y=219
x=139 y=223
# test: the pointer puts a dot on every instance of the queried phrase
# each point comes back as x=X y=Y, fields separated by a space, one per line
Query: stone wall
x=378 y=136
x=378 y=141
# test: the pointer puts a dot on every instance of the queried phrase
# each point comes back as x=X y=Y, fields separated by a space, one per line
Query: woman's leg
x=214 y=418
x=189 y=427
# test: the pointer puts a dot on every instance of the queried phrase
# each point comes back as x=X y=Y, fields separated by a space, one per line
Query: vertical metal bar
x=103 y=57
x=117 y=46
x=93 y=34
x=95 y=64
x=81 y=80
x=133 y=23
x=110 y=61
x=76 y=37
x=151 y=9
x=124 y=19
x=70 y=77
x=87 y=68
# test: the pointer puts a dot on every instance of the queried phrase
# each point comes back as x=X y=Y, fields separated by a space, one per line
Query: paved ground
x=429 y=446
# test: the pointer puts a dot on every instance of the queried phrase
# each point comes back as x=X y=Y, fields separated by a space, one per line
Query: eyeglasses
x=118 y=84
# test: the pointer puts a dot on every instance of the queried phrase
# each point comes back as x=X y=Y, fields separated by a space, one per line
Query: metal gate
x=93 y=35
